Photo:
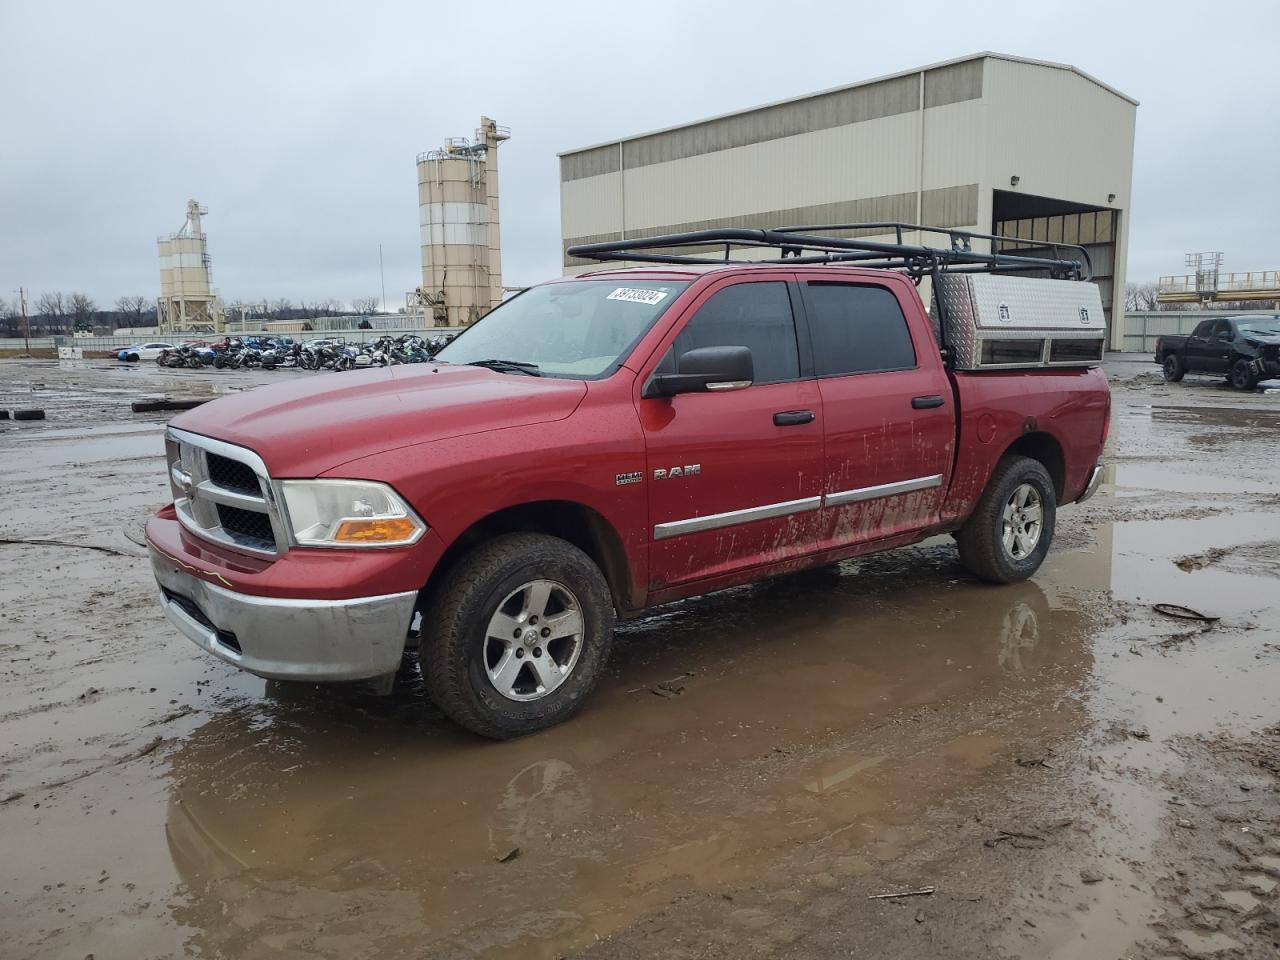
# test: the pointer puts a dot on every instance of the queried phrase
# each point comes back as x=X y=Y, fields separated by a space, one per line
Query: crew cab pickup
x=605 y=443
x=1245 y=350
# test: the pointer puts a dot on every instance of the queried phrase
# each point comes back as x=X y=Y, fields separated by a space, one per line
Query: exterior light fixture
x=1111 y=198
x=1013 y=181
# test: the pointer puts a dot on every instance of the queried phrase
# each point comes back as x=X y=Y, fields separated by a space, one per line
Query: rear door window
x=1203 y=329
x=857 y=329
x=753 y=315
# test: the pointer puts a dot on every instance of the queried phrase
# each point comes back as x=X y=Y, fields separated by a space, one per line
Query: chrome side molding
x=715 y=521
x=859 y=494
x=770 y=511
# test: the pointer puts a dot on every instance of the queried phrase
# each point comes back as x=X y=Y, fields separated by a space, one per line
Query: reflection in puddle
x=640 y=798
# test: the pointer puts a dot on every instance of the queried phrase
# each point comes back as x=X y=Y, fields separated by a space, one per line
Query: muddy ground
x=1069 y=772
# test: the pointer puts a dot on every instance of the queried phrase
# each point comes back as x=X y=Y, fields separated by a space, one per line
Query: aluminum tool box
x=1006 y=322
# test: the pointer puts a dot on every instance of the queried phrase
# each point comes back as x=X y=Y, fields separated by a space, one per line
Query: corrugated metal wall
x=866 y=152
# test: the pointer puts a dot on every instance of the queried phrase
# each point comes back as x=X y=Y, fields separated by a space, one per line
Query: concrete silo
x=186 y=297
x=458 y=212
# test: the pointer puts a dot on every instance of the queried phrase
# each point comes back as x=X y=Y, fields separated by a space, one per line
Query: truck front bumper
x=287 y=639
x=1265 y=368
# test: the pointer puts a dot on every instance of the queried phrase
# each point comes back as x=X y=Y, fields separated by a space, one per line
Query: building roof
x=984 y=55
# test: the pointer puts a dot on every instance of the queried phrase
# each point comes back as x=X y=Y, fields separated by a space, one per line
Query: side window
x=857 y=329
x=753 y=315
x=1203 y=329
x=1223 y=330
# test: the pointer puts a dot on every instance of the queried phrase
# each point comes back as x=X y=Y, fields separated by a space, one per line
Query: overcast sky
x=298 y=123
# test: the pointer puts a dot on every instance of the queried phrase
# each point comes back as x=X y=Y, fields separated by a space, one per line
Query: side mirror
x=704 y=369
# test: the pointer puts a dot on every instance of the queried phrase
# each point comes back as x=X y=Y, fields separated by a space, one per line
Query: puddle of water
x=1207 y=942
x=67 y=450
x=1160 y=477
x=62 y=434
x=612 y=813
x=1259 y=881
x=1242 y=899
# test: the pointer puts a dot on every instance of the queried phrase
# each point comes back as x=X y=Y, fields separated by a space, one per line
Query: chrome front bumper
x=1095 y=481
x=282 y=639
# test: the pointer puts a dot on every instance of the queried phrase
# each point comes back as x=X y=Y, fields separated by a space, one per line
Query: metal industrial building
x=991 y=143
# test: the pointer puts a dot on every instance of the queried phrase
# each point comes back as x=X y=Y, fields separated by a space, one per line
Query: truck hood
x=305 y=427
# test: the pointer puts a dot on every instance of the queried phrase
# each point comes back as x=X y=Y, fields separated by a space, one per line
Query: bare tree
x=82 y=310
x=132 y=310
x=365 y=305
x=1141 y=296
x=51 y=309
x=281 y=309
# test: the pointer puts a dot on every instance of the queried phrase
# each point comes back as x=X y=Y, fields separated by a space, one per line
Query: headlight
x=348 y=513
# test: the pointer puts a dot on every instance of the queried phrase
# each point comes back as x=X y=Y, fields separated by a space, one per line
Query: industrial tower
x=186 y=298
x=458 y=212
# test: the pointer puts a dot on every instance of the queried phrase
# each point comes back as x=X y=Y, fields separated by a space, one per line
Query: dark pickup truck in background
x=1245 y=350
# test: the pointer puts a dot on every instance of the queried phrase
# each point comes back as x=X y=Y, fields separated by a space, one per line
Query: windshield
x=579 y=328
x=1267 y=326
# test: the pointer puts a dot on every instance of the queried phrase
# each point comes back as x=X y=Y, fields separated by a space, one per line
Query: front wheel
x=1242 y=375
x=1008 y=535
x=517 y=636
x=1173 y=371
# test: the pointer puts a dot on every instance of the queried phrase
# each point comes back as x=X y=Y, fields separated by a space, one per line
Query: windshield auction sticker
x=631 y=295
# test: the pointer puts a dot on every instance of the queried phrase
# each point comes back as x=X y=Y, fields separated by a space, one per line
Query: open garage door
x=1047 y=220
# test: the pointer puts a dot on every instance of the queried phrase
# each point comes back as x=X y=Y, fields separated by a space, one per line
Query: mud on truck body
x=602 y=444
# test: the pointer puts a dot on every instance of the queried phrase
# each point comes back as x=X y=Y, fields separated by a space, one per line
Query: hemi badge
x=623 y=479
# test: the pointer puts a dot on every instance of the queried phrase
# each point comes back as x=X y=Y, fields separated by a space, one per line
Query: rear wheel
x=517 y=635
x=1009 y=533
x=1173 y=371
x=1242 y=375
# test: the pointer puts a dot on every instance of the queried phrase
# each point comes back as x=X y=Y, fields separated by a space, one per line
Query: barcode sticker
x=632 y=295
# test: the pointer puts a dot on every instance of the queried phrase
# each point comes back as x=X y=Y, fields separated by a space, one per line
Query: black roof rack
x=809 y=245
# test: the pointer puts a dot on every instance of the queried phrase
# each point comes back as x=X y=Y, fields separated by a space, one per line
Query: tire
x=990 y=552
x=1242 y=375
x=132 y=358
x=1173 y=371
x=497 y=579
x=219 y=362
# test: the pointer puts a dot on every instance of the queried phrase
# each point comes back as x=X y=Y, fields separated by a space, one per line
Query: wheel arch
x=585 y=528
x=1044 y=448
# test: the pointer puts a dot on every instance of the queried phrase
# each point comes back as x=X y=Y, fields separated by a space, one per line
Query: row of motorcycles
x=270 y=353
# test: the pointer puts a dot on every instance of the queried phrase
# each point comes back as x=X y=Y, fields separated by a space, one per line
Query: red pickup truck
x=602 y=444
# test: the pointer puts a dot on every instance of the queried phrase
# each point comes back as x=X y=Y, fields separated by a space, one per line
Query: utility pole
x=383 y=274
x=26 y=327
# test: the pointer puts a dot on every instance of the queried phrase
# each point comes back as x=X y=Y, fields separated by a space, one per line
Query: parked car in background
x=1245 y=350
x=144 y=351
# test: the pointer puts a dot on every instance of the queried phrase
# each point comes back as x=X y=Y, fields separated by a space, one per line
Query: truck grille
x=232 y=474
x=223 y=493
x=247 y=527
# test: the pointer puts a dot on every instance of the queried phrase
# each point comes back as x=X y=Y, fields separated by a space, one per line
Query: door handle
x=793 y=418
x=926 y=403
